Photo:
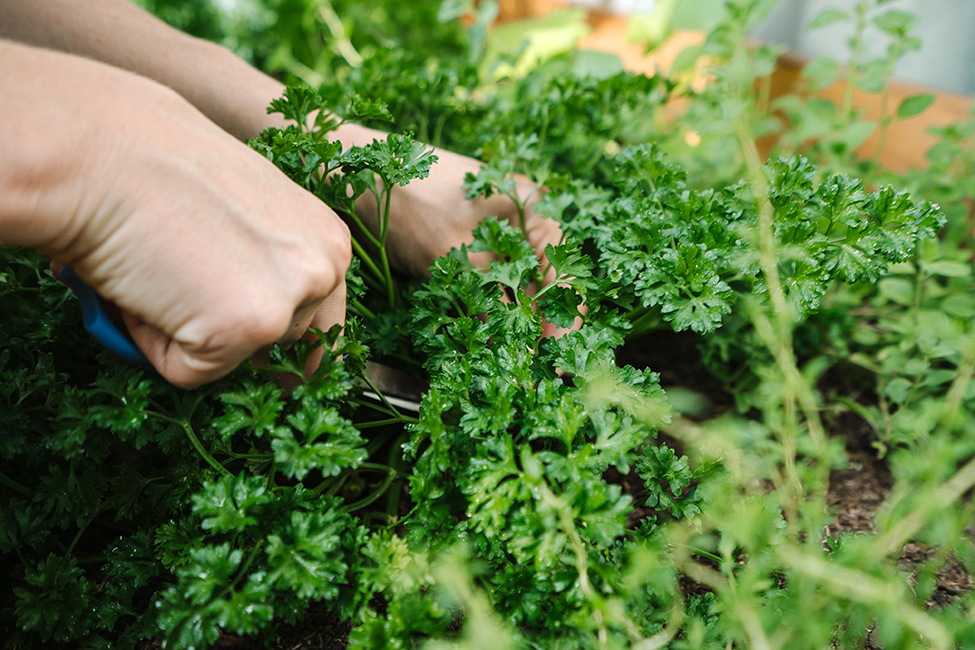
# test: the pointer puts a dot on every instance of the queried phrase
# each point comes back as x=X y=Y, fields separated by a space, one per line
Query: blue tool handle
x=98 y=323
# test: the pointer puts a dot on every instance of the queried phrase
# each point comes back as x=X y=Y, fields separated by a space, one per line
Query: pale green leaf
x=829 y=16
x=914 y=105
x=949 y=269
x=896 y=22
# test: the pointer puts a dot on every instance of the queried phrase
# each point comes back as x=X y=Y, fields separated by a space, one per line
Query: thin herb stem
x=243 y=570
x=383 y=255
x=949 y=492
x=371 y=405
x=81 y=531
x=202 y=451
x=364 y=256
x=885 y=118
x=859 y=586
x=362 y=503
x=959 y=385
x=385 y=401
x=14 y=485
x=269 y=484
x=777 y=331
x=582 y=560
x=362 y=309
x=379 y=467
x=544 y=130
x=377 y=423
x=856 y=48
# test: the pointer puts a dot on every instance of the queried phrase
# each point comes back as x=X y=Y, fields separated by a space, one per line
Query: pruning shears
x=99 y=324
x=400 y=389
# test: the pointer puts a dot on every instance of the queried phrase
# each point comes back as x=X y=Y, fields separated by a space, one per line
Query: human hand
x=430 y=216
x=209 y=251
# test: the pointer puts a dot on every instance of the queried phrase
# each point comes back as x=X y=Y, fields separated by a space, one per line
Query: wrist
x=66 y=128
x=44 y=161
x=234 y=95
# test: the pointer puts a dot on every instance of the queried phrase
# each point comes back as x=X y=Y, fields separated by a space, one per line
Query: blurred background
x=946 y=59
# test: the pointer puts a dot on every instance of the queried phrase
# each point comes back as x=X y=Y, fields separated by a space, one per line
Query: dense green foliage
x=497 y=517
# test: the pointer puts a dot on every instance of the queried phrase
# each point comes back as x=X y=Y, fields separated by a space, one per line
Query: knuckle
x=332 y=259
x=343 y=246
x=259 y=327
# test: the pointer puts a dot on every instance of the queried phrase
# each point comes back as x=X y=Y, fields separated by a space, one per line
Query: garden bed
x=759 y=435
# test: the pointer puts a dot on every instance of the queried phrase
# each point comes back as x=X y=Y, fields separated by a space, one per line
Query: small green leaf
x=896 y=22
x=821 y=72
x=828 y=16
x=948 y=269
x=916 y=366
x=898 y=290
x=57 y=602
x=687 y=59
x=231 y=503
x=855 y=134
x=939 y=377
x=961 y=305
x=451 y=10
x=914 y=105
x=873 y=76
x=897 y=390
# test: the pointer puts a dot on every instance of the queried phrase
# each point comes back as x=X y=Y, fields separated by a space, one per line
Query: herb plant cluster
x=496 y=517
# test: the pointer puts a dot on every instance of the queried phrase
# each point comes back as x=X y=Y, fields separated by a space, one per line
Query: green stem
x=14 y=485
x=949 y=492
x=203 y=452
x=778 y=334
x=437 y=139
x=371 y=405
x=341 y=38
x=364 y=256
x=521 y=215
x=390 y=287
x=81 y=531
x=363 y=310
x=392 y=409
x=952 y=413
x=643 y=320
x=383 y=256
x=379 y=467
x=377 y=423
x=384 y=518
x=859 y=586
x=236 y=456
x=582 y=560
x=362 y=503
x=544 y=130
x=856 y=47
x=269 y=484
x=243 y=570
x=885 y=118
x=331 y=486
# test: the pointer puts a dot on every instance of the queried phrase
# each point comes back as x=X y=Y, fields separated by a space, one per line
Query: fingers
x=542 y=232
x=173 y=361
x=330 y=313
x=189 y=366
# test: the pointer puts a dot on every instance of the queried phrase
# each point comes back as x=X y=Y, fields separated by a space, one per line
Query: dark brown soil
x=320 y=630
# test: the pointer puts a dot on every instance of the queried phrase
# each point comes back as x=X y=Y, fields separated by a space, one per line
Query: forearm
x=45 y=145
x=221 y=85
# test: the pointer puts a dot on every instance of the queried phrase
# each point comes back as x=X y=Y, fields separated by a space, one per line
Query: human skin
x=210 y=252
x=175 y=73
